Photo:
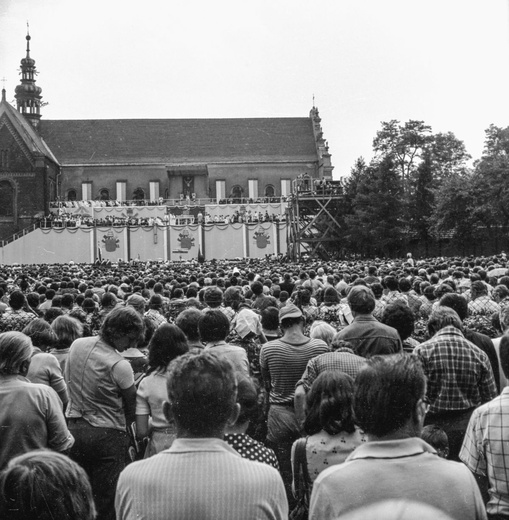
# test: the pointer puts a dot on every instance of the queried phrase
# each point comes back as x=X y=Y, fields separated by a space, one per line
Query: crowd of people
x=255 y=388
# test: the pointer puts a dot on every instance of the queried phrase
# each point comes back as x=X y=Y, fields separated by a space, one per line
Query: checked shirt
x=485 y=450
x=459 y=373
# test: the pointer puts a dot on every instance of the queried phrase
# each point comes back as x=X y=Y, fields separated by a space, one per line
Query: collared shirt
x=200 y=478
x=236 y=355
x=369 y=337
x=459 y=373
x=485 y=450
x=394 y=296
x=406 y=469
x=31 y=417
x=342 y=359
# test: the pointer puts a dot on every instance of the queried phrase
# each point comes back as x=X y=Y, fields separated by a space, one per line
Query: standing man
x=459 y=375
x=367 y=335
x=200 y=476
x=484 y=449
x=282 y=364
x=395 y=464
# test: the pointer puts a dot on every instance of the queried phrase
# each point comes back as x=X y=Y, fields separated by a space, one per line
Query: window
x=220 y=190
x=6 y=199
x=237 y=192
x=286 y=187
x=72 y=195
x=270 y=191
x=86 y=191
x=104 y=194
x=121 y=190
x=139 y=194
x=253 y=188
x=154 y=191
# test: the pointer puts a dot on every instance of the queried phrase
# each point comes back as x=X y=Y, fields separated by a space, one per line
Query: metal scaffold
x=314 y=211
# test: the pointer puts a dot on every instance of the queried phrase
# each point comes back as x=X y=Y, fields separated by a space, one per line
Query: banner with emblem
x=112 y=243
x=184 y=242
x=261 y=240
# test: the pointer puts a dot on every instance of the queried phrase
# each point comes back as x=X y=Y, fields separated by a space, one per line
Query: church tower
x=28 y=94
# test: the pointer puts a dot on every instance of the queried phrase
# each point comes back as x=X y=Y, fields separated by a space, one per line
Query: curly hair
x=399 y=316
x=122 y=321
x=329 y=404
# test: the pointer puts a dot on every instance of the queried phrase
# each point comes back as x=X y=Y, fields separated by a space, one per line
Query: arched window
x=270 y=191
x=237 y=192
x=104 y=194
x=6 y=199
x=72 y=195
x=138 y=194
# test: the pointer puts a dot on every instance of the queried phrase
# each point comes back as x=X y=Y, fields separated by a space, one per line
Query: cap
x=289 y=311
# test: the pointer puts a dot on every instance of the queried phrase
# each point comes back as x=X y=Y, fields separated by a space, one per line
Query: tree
x=375 y=226
x=447 y=154
x=403 y=143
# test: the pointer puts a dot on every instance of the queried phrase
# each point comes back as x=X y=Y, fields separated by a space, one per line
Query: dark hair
x=377 y=289
x=44 y=485
x=41 y=334
x=67 y=300
x=202 y=392
x=387 y=390
x=455 y=302
x=167 y=343
x=270 y=318
x=16 y=300
x=52 y=313
x=187 y=321
x=257 y=288
x=435 y=437
x=391 y=283
x=213 y=326
x=329 y=404
x=122 y=321
x=404 y=284
x=399 y=316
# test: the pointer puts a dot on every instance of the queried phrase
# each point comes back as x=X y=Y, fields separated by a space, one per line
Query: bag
x=302 y=482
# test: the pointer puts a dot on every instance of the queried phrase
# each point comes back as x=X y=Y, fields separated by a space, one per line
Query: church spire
x=28 y=94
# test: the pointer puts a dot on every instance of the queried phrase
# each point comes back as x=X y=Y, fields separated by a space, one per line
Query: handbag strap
x=300 y=468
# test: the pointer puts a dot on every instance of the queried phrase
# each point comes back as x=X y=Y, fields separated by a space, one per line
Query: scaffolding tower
x=314 y=227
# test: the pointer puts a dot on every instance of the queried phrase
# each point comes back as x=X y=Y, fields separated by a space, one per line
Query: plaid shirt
x=12 y=320
x=485 y=450
x=342 y=359
x=483 y=305
x=459 y=373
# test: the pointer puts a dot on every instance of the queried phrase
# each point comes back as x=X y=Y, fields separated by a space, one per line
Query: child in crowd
x=437 y=438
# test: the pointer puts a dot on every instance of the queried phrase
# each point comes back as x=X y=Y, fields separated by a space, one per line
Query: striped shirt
x=282 y=365
x=200 y=479
x=485 y=450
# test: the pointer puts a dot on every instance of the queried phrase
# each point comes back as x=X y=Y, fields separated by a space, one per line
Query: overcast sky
x=443 y=61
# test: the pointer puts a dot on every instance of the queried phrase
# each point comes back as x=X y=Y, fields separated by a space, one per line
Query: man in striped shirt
x=282 y=364
x=200 y=476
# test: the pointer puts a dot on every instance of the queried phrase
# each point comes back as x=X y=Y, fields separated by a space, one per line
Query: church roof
x=179 y=141
x=33 y=141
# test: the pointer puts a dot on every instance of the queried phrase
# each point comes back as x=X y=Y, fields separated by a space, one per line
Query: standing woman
x=102 y=400
x=31 y=415
x=167 y=343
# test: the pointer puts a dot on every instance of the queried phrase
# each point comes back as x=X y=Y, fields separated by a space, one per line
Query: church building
x=146 y=161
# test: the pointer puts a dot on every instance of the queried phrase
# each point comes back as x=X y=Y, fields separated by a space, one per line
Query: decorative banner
x=112 y=243
x=184 y=242
x=282 y=229
x=223 y=241
x=149 y=243
x=261 y=240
